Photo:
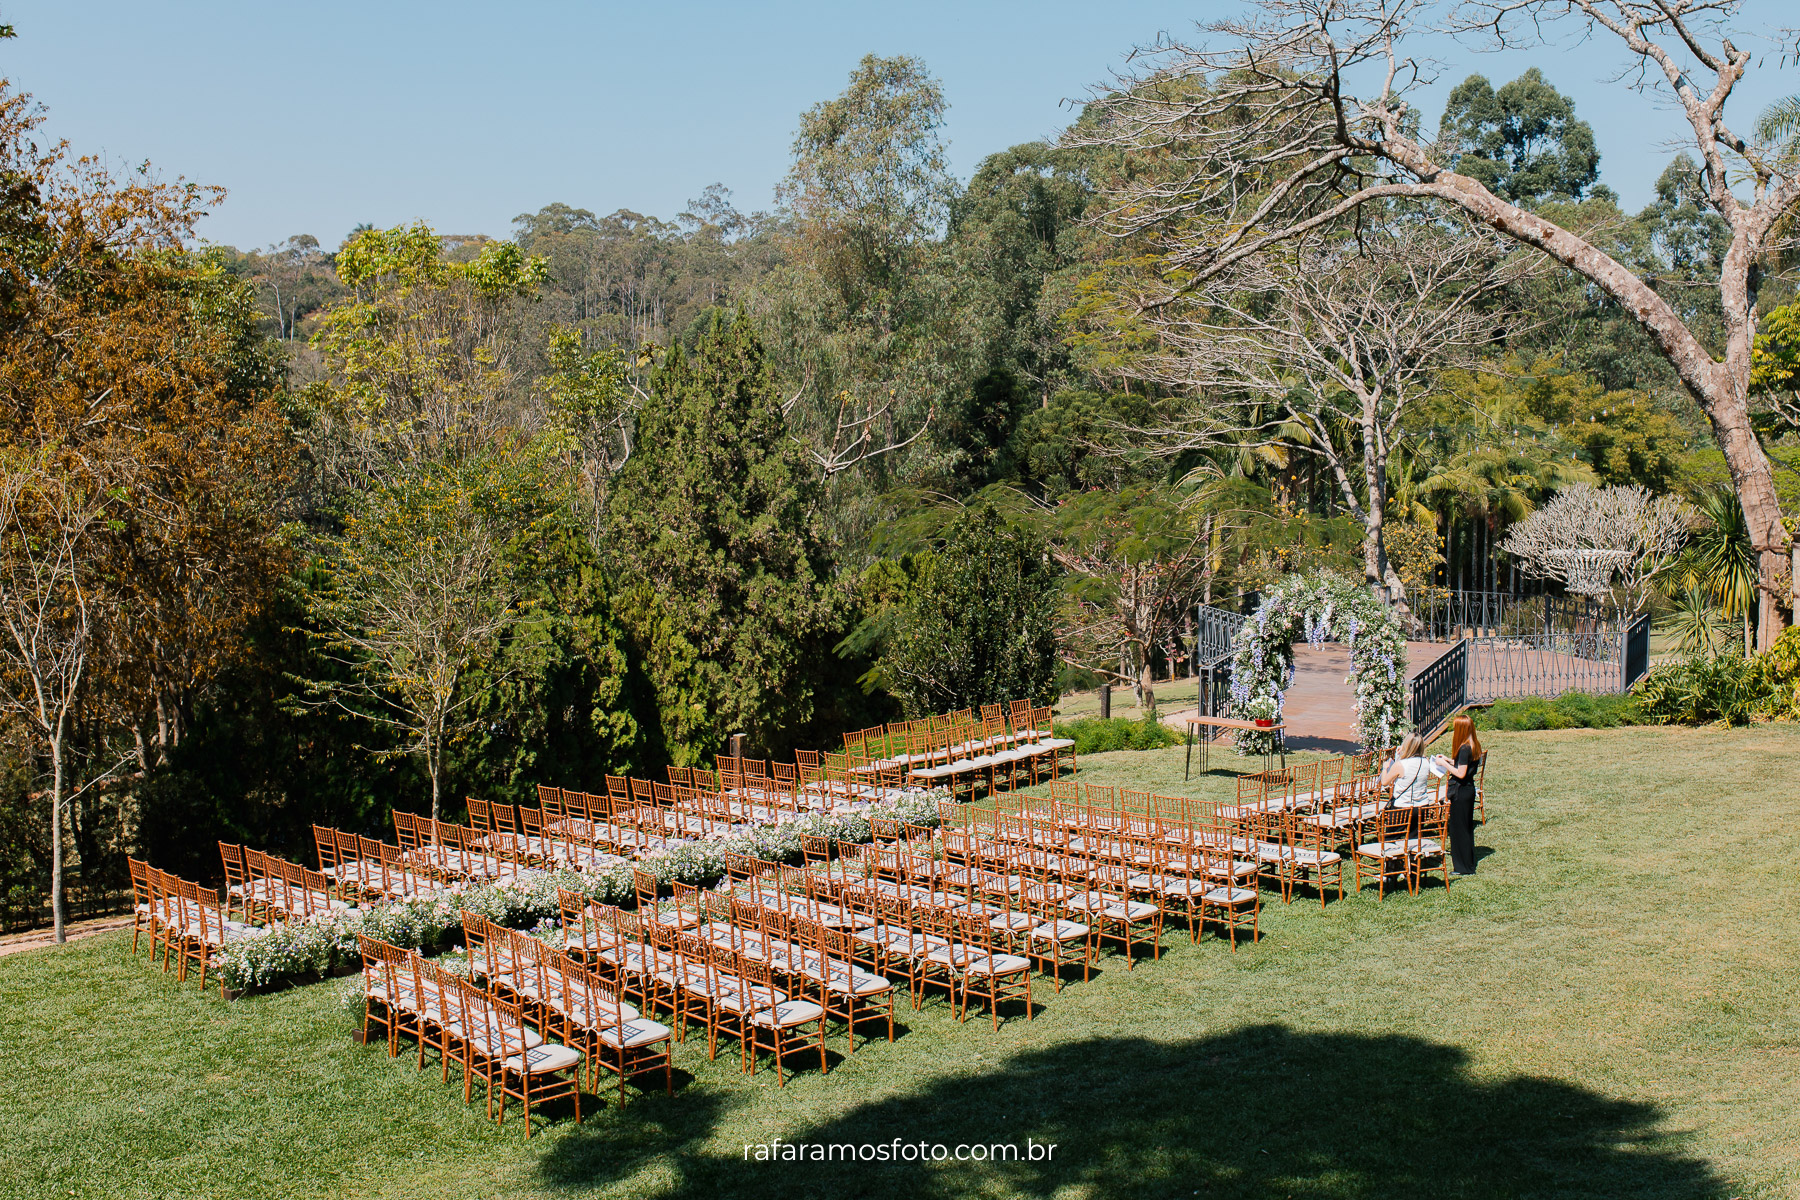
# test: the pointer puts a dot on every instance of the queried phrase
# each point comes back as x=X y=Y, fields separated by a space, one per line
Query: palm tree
x=1779 y=129
x=1496 y=484
x=1721 y=561
x=1695 y=622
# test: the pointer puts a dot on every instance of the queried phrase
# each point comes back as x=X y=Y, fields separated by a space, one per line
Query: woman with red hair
x=1461 y=766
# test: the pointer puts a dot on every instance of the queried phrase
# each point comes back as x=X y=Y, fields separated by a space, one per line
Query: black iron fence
x=1216 y=629
x=1441 y=690
x=1604 y=659
x=82 y=901
x=1449 y=616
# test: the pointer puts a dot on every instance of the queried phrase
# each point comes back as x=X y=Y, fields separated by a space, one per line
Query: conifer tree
x=713 y=528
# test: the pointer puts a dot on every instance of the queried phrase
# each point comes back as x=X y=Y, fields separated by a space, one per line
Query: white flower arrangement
x=324 y=943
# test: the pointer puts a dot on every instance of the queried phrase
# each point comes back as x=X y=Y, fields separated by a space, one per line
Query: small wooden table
x=1242 y=726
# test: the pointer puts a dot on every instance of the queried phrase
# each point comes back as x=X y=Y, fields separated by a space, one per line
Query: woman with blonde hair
x=1465 y=761
x=1410 y=773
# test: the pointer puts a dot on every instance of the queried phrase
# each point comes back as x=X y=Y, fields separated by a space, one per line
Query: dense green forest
x=319 y=531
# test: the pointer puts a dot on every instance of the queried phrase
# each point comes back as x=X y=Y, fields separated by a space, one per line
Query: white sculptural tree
x=1584 y=535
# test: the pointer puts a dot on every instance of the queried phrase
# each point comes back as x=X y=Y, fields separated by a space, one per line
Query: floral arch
x=1319 y=608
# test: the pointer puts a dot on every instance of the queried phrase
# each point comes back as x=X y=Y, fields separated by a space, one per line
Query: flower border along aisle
x=1319 y=608
x=316 y=947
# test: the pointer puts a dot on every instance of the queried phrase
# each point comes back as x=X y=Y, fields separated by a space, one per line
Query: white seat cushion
x=787 y=1014
x=998 y=964
x=547 y=1057
x=1059 y=931
x=633 y=1033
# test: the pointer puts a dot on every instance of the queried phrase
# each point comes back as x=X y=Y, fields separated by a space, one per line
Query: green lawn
x=1606 y=1010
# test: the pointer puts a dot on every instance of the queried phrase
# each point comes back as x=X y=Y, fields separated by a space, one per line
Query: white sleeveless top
x=1412 y=787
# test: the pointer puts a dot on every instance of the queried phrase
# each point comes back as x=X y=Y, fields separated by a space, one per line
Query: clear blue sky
x=321 y=115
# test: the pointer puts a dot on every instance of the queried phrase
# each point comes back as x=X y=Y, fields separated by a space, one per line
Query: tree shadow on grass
x=1262 y=1112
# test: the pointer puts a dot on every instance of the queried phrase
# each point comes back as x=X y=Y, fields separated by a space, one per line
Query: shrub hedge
x=1092 y=735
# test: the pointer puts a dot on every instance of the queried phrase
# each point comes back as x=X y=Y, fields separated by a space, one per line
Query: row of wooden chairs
x=731 y=994
x=1125 y=880
x=364 y=869
x=485 y=1031
x=185 y=922
x=263 y=887
x=966 y=751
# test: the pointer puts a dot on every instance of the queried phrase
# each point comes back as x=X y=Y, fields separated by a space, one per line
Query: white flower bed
x=318 y=946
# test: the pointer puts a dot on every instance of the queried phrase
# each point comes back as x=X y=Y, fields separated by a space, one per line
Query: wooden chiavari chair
x=481 y=818
x=1050 y=942
x=815 y=852
x=537 y=844
x=324 y=847
x=989 y=972
x=237 y=876
x=771 y=1020
x=825 y=957
x=610 y=1033
x=685 y=965
x=406 y=831
x=1108 y=905
x=1386 y=856
x=939 y=957
x=143 y=912
x=379 y=998
x=1315 y=856
x=1225 y=901
x=1426 y=850
x=512 y=1066
x=440 y=1017
x=265 y=888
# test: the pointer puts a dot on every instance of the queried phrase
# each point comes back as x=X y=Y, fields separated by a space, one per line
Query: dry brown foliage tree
x=125 y=372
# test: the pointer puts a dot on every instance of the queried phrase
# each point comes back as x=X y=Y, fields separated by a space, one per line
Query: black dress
x=1462 y=815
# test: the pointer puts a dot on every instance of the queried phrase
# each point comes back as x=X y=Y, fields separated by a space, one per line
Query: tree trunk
x=434 y=761
x=1719 y=388
x=56 y=838
x=1146 y=683
x=1375 y=482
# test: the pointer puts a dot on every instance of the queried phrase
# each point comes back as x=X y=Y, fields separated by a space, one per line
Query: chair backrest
x=139 y=870
x=232 y=858
x=550 y=800
x=576 y=807
x=503 y=819
x=645 y=885
x=406 y=830
x=1434 y=821
x=1396 y=823
x=324 y=845
x=479 y=815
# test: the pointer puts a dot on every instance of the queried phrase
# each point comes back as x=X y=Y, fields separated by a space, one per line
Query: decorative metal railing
x=1216 y=629
x=1448 y=616
x=1637 y=651
x=1441 y=690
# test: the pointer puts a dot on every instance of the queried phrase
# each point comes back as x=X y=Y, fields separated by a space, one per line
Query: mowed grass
x=1607 y=1010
